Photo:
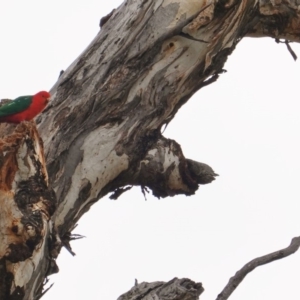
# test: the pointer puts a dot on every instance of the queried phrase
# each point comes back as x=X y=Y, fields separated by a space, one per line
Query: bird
x=201 y=172
x=24 y=108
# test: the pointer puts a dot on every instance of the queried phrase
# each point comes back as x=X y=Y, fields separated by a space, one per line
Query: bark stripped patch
x=27 y=203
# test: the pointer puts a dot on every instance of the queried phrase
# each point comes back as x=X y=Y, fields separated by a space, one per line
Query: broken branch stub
x=175 y=289
x=166 y=171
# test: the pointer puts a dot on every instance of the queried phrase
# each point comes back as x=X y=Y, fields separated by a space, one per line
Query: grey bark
x=259 y=261
x=175 y=289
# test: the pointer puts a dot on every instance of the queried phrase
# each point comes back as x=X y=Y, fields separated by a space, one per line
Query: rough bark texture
x=175 y=289
x=27 y=204
x=102 y=131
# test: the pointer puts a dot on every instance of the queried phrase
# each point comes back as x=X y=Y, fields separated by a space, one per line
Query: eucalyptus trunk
x=102 y=131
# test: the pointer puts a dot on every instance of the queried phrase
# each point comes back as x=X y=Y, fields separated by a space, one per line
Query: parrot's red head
x=43 y=96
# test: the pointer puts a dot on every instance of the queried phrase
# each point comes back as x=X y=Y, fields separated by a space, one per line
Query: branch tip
x=235 y=280
x=287 y=43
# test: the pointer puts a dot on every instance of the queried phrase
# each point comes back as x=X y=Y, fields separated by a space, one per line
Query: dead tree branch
x=259 y=261
x=175 y=289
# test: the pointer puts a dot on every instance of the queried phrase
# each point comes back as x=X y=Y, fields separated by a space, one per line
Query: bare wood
x=259 y=261
x=27 y=203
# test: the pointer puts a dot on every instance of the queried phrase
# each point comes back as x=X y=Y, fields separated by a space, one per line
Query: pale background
x=246 y=126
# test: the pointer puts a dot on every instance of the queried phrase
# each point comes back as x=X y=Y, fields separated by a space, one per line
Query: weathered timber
x=175 y=289
x=27 y=204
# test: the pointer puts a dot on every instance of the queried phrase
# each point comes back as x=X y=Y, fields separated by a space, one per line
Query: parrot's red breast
x=24 y=108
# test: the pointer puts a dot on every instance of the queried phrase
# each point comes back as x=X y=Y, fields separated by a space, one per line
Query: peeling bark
x=27 y=204
x=113 y=104
x=102 y=130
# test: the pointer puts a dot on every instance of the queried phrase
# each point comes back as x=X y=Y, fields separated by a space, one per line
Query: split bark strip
x=259 y=261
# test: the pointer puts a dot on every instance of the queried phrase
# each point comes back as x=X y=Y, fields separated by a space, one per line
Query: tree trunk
x=102 y=130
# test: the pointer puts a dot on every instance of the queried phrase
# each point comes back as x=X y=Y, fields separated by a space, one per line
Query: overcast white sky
x=246 y=126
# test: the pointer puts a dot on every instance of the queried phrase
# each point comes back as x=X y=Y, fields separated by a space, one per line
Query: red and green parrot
x=24 y=108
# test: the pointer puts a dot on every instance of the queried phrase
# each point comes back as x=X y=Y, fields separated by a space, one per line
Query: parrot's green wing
x=16 y=106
